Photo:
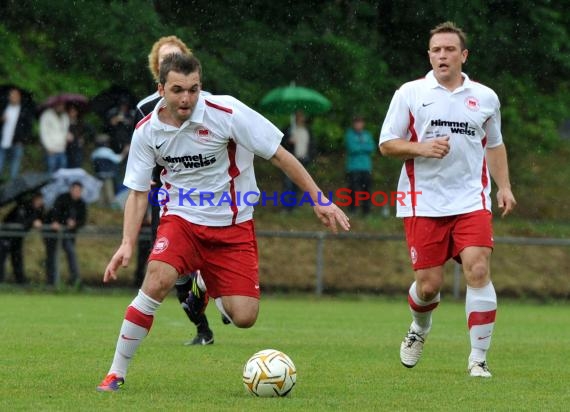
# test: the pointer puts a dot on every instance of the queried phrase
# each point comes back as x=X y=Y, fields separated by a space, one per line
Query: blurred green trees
x=355 y=52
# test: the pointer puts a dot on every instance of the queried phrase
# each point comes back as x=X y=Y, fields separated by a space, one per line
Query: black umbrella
x=22 y=185
x=112 y=97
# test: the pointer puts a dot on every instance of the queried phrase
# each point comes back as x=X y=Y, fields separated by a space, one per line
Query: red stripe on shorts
x=421 y=309
x=481 y=318
x=139 y=318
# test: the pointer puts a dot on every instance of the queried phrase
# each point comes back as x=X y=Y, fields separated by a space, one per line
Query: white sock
x=220 y=307
x=200 y=281
x=480 y=308
x=136 y=325
x=421 y=310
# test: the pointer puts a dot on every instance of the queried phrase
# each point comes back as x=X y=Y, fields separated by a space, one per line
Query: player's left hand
x=331 y=215
x=506 y=201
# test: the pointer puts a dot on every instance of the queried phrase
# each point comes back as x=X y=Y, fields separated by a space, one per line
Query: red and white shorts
x=226 y=256
x=432 y=241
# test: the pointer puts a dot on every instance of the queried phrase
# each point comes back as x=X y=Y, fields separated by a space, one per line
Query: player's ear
x=464 y=55
x=160 y=88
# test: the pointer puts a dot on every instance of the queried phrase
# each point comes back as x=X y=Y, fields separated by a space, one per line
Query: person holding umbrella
x=16 y=120
x=54 y=134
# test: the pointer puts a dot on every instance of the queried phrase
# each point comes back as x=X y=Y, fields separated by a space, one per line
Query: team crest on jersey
x=160 y=245
x=203 y=134
x=413 y=255
x=472 y=103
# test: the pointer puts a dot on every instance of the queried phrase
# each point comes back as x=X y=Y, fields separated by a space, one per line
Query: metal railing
x=14 y=230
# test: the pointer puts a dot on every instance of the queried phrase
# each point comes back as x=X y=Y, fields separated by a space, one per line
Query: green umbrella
x=289 y=99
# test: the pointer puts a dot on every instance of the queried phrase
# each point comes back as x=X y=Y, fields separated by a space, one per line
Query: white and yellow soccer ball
x=269 y=373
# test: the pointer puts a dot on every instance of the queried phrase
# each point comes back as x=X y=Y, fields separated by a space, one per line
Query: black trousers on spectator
x=12 y=246
x=359 y=181
x=68 y=245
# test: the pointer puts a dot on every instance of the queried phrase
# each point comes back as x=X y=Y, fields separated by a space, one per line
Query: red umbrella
x=78 y=100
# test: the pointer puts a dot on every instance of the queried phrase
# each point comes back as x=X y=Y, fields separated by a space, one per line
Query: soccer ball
x=269 y=373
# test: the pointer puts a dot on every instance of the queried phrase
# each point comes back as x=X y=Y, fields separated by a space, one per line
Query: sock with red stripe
x=421 y=310
x=480 y=308
x=136 y=325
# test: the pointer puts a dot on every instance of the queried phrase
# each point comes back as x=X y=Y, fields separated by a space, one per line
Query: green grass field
x=55 y=348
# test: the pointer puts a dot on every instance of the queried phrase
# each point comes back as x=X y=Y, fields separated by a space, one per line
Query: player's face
x=181 y=93
x=446 y=57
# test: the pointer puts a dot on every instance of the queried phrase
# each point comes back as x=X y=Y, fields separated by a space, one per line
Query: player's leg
x=193 y=302
x=480 y=307
x=242 y=311
x=231 y=272
x=428 y=243
x=158 y=282
x=473 y=243
x=197 y=301
x=423 y=298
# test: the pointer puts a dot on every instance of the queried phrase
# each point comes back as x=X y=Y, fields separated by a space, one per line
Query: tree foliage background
x=355 y=52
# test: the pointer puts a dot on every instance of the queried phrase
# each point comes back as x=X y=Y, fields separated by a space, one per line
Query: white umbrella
x=62 y=180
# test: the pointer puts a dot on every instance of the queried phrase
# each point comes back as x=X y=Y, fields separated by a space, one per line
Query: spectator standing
x=54 y=134
x=297 y=139
x=120 y=124
x=68 y=214
x=79 y=132
x=22 y=218
x=359 y=149
x=16 y=127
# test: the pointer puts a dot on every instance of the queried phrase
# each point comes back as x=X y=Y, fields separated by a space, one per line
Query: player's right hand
x=436 y=148
x=121 y=258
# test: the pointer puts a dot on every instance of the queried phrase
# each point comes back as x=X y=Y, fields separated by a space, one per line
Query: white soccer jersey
x=208 y=161
x=459 y=183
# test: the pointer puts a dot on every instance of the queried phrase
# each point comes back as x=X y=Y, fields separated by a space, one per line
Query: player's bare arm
x=329 y=214
x=436 y=148
x=499 y=169
x=135 y=209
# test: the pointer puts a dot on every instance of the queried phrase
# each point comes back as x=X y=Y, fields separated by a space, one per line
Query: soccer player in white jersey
x=206 y=145
x=447 y=129
x=192 y=299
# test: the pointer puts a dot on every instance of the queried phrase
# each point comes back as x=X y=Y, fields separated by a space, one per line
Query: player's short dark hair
x=449 y=27
x=179 y=63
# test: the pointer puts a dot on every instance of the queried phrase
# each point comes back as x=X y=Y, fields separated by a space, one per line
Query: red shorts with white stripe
x=432 y=241
x=226 y=256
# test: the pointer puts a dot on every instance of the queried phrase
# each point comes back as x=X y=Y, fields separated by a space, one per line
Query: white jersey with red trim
x=459 y=183
x=208 y=176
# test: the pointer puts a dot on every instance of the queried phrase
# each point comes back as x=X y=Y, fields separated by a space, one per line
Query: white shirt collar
x=430 y=77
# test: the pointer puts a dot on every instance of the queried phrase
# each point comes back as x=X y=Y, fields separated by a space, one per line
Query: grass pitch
x=55 y=349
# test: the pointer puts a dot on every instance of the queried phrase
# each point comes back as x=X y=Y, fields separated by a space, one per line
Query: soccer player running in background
x=206 y=145
x=447 y=128
x=193 y=303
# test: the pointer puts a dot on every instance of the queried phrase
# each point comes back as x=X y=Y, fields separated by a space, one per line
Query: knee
x=244 y=319
x=157 y=283
x=427 y=291
x=478 y=275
